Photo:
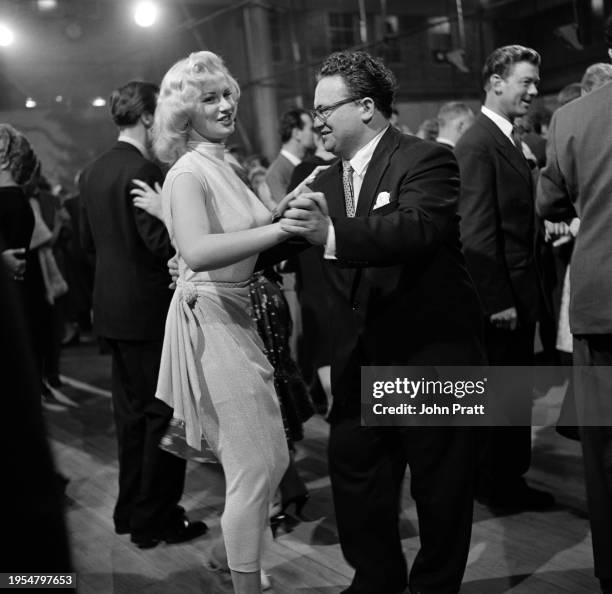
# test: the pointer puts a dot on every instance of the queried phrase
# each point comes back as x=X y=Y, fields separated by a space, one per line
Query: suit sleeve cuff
x=330 y=244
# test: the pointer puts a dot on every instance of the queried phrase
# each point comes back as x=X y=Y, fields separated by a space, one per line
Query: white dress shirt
x=506 y=127
x=290 y=157
x=360 y=161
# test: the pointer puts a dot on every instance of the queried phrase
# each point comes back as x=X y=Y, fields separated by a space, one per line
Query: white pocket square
x=381 y=200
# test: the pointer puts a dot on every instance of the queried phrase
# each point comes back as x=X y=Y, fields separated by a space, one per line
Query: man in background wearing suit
x=498 y=234
x=296 y=138
x=130 y=303
x=578 y=175
x=454 y=118
x=400 y=294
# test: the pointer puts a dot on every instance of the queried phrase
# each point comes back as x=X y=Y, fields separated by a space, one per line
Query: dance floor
x=530 y=552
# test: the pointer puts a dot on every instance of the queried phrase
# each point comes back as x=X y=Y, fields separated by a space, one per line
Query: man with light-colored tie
x=400 y=295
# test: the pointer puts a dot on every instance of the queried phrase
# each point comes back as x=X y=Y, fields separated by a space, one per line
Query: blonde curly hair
x=179 y=95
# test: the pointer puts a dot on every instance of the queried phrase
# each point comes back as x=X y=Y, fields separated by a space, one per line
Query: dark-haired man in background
x=296 y=138
x=400 y=294
x=130 y=303
x=498 y=231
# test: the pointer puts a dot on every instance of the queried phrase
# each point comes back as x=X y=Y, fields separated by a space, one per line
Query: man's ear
x=610 y=54
x=367 y=108
x=147 y=120
x=496 y=83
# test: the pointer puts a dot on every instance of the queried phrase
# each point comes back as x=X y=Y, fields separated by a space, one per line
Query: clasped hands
x=304 y=213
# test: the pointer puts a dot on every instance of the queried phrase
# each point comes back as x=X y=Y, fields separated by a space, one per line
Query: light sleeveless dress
x=214 y=372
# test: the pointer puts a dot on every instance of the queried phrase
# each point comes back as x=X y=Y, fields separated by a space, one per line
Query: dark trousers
x=593 y=393
x=367 y=467
x=151 y=480
x=505 y=452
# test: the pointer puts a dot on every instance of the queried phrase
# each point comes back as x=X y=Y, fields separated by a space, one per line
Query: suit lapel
x=376 y=169
x=507 y=149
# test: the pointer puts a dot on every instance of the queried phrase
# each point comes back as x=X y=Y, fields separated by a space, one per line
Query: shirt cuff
x=330 y=244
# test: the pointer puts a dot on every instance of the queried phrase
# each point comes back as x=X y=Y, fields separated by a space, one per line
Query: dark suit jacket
x=131 y=295
x=579 y=174
x=498 y=220
x=400 y=293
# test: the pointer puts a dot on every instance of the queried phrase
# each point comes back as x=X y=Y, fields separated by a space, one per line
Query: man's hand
x=284 y=203
x=14 y=260
x=555 y=230
x=173 y=270
x=505 y=320
x=307 y=216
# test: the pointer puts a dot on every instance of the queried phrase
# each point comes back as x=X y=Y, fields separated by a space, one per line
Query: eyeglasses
x=324 y=111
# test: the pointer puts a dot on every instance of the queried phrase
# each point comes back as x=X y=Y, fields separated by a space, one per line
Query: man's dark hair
x=365 y=76
x=129 y=102
x=502 y=60
x=291 y=120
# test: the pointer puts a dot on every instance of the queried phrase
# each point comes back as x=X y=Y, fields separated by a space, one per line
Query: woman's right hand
x=148 y=198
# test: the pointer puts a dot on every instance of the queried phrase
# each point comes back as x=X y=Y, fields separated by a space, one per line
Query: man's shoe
x=524 y=498
x=185 y=531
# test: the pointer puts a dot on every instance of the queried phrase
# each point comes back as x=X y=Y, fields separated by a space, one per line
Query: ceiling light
x=99 y=102
x=45 y=5
x=30 y=103
x=7 y=37
x=145 y=14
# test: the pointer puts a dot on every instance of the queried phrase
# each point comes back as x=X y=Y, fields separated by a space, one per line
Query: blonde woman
x=214 y=372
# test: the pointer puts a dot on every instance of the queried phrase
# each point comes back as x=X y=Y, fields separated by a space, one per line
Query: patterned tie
x=347 y=184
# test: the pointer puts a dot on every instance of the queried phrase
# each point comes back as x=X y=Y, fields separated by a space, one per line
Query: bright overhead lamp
x=30 y=103
x=7 y=37
x=46 y=5
x=99 y=102
x=146 y=13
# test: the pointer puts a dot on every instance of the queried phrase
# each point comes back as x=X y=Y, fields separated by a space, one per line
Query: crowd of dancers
x=401 y=251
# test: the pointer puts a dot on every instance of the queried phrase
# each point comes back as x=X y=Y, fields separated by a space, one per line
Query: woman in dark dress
x=17 y=164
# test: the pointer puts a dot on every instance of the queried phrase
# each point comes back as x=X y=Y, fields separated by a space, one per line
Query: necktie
x=516 y=137
x=347 y=184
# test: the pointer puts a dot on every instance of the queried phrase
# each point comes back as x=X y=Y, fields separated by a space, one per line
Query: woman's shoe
x=265 y=582
x=217 y=558
x=276 y=521
x=299 y=501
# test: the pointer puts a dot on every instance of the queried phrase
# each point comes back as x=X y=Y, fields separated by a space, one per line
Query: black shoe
x=299 y=501
x=182 y=533
x=524 y=498
x=54 y=381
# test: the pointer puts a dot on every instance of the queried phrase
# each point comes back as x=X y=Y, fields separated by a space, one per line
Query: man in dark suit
x=499 y=234
x=400 y=295
x=578 y=175
x=130 y=303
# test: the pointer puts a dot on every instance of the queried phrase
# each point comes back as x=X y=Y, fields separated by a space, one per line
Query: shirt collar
x=290 y=157
x=361 y=159
x=141 y=147
x=443 y=140
x=501 y=122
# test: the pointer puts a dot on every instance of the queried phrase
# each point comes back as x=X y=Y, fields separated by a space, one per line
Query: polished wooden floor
x=530 y=553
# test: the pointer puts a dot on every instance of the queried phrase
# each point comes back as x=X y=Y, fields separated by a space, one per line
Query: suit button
x=356 y=306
